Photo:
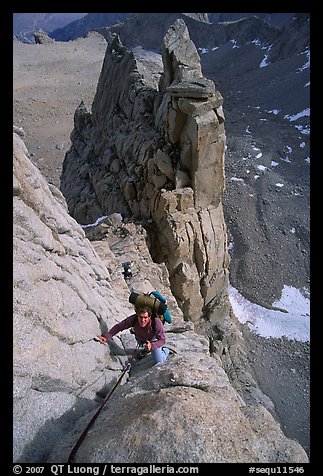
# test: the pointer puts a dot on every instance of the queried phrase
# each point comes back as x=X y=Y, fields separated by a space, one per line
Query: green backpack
x=155 y=301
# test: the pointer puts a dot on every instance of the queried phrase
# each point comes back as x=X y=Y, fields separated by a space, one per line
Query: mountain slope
x=92 y=21
x=148 y=29
x=266 y=102
x=25 y=24
x=273 y=19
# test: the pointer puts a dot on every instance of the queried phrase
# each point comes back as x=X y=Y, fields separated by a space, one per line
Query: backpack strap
x=157 y=295
x=166 y=317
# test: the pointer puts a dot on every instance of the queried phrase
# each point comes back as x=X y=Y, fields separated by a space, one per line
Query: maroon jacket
x=142 y=333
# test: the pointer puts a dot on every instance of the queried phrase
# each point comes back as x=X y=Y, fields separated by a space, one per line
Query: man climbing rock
x=148 y=330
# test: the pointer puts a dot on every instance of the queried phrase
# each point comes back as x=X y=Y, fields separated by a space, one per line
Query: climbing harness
x=138 y=354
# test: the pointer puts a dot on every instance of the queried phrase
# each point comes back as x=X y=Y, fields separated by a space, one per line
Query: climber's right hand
x=102 y=339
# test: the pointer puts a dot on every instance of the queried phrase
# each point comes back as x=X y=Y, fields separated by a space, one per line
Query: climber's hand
x=102 y=339
x=148 y=346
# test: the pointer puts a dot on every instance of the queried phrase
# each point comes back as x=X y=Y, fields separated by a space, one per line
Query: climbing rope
x=138 y=353
x=71 y=458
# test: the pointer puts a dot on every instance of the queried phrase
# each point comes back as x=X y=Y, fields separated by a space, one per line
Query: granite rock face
x=60 y=296
x=64 y=295
x=184 y=411
x=153 y=150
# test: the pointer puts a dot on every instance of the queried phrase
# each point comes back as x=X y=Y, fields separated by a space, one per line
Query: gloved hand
x=148 y=346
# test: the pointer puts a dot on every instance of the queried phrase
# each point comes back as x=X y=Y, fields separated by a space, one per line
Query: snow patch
x=236 y=179
x=305 y=113
x=308 y=62
x=273 y=111
x=265 y=62
x=303 y=129
x=286 y=159
x=291 y=321
x=96 y=222
x=261 y=167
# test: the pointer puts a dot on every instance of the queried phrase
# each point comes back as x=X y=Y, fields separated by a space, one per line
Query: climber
x=148 y=331
x=127 y=272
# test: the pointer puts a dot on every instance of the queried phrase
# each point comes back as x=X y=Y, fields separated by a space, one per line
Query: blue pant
x=159 y=355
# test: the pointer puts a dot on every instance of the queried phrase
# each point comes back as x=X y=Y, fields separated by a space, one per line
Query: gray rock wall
x=61 y=292
x=157 y=153
x=182 y=412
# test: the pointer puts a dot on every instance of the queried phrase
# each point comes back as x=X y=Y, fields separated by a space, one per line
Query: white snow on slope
x=265 y=62
x=96 y=222
x=293 y=324
x=261 y=167
x=303 y=130
x=308 y=62
x=304 y=113
x=273 y=111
